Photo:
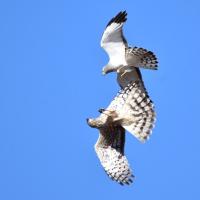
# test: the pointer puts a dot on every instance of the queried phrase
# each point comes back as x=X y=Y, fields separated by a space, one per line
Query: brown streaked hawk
x=131 y=110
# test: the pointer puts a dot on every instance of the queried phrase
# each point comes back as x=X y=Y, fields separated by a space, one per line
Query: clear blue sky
x=50 y=82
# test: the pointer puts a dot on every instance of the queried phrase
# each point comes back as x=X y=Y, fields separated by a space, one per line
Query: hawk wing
x=113 y=40
x=110 y=151
x=135 y=110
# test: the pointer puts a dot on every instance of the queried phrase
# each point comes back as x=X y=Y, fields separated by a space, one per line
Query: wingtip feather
x=121 y=17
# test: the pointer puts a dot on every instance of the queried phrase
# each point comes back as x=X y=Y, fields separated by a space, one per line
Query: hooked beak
x=103 y=73
x=107 y=69
x=88 y=121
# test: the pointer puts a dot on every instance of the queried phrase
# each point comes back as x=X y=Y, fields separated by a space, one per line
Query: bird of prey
x=121 y=56
x=131 y=110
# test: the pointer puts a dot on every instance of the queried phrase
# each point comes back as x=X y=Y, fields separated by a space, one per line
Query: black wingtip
x=119 y=18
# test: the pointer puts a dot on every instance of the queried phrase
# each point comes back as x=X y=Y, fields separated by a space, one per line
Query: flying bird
x=130 y=110
x=121 y=56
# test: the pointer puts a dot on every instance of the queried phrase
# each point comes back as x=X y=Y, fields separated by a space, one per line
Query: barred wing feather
x=110 y=151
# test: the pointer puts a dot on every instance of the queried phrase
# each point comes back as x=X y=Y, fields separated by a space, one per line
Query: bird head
x=96 y=123
x=107 y=69
x=91 y=122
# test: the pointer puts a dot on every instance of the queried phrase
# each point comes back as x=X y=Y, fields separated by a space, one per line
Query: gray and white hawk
x=121 y=56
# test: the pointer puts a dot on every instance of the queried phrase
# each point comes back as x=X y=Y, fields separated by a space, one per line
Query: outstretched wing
x=135 y=110
x=113 y=40
x=110 y=151
x=140 y=57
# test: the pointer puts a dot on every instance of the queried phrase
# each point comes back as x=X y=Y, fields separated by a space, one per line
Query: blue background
x=50 y=82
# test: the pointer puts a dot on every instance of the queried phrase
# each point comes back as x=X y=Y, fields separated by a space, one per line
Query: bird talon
x=101 y=110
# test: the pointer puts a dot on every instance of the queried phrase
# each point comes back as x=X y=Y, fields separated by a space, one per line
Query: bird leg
x=106 y=112
x=123 y=70
x=126 y=70
x=123 y=73
x=110 y=113
x=101 y=110
x=120 y=69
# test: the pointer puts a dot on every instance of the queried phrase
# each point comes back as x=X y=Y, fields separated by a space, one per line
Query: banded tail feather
x=142 y=57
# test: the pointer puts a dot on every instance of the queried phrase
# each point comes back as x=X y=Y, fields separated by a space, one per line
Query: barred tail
x=149 y=61
x=140 y=57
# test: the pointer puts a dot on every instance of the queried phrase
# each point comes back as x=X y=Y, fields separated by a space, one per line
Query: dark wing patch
x=119 y=18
